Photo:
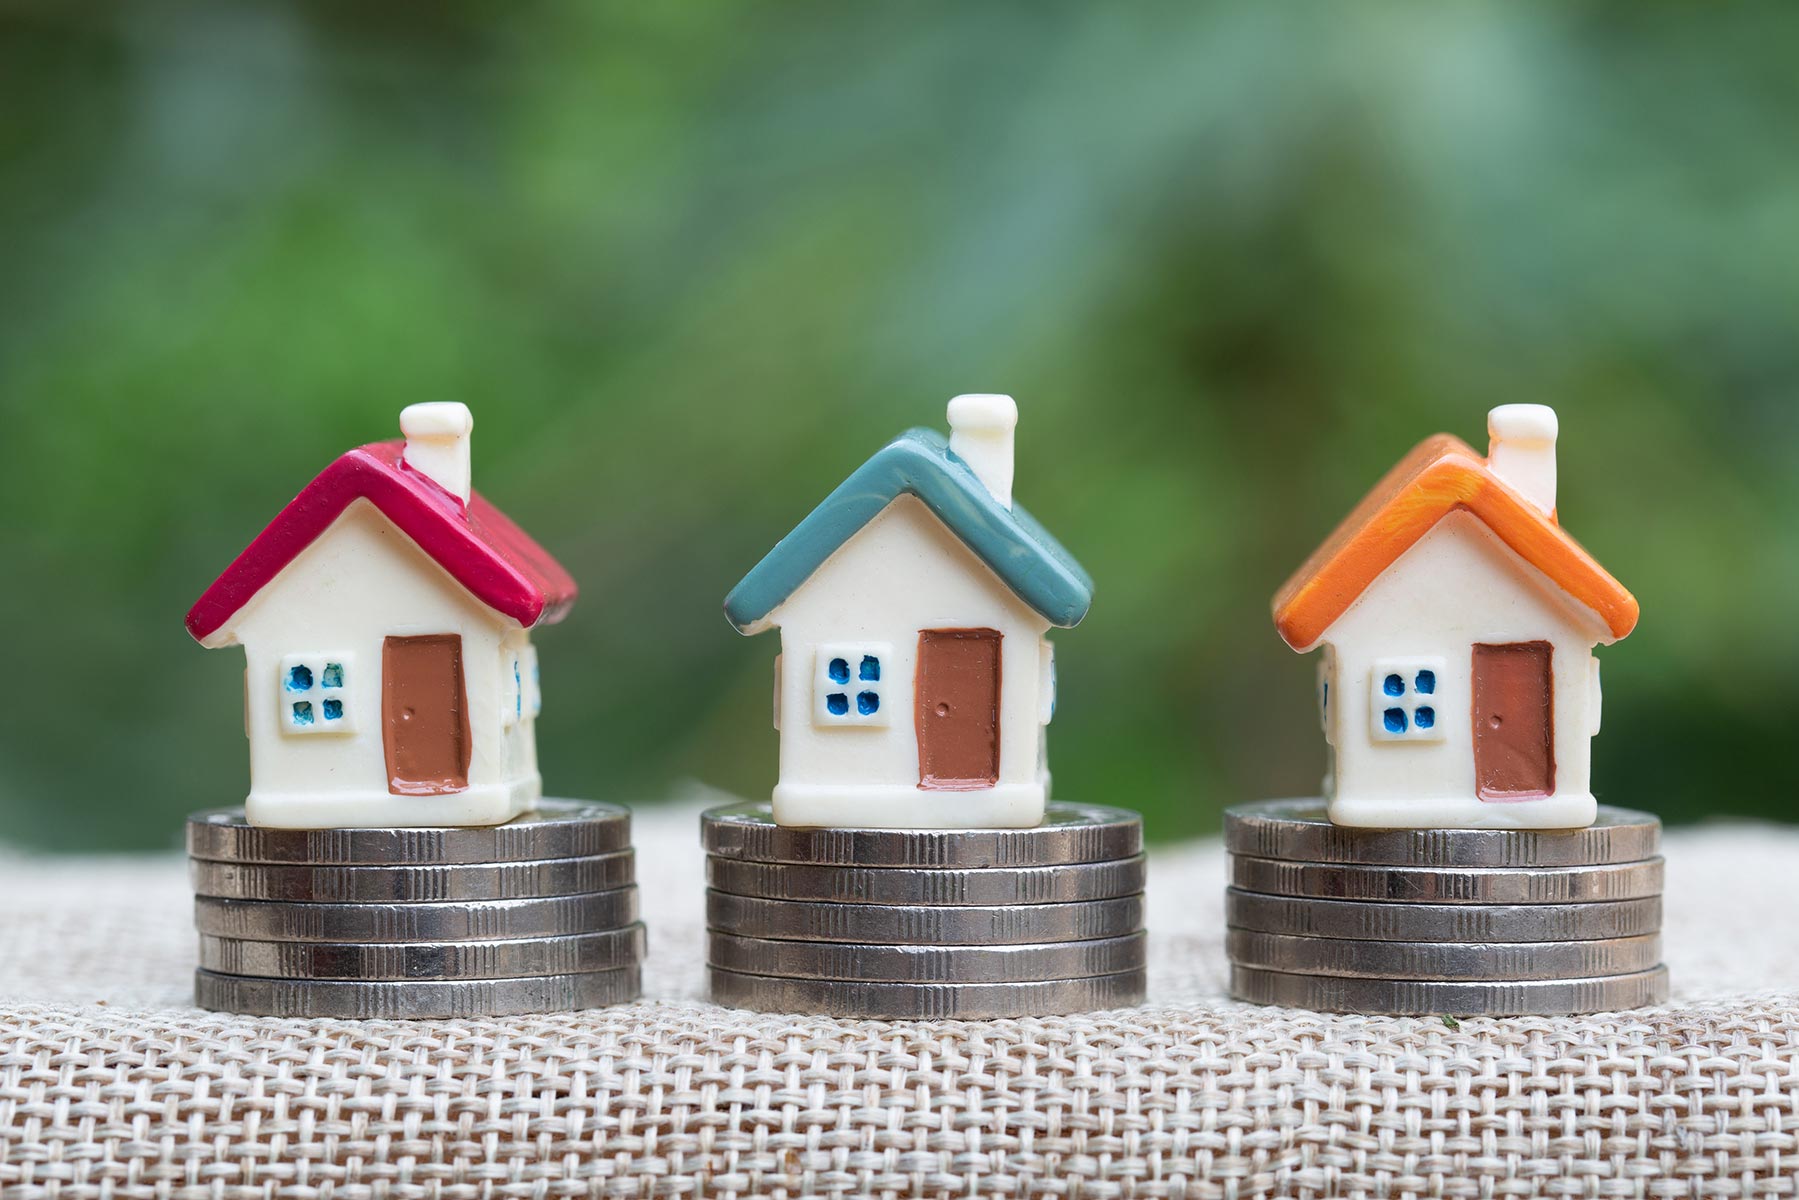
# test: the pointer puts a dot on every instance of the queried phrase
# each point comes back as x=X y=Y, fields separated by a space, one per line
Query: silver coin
x=921 y=925
x=925 y=1001
x=1434 y=885
x=554 y=916
x=1299 y=831
x=412 y=885
x=926 y=964
x=557 y=829
x=1407 y=997
x=572 y=955
x=414 y=999
x=1433 y=960
x=1070 y=833
x=938 y=885
x=1374 y=920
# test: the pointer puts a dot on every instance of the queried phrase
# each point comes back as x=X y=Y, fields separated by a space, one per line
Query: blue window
x=315 y=693
x=1404 y=703
x=848 y=686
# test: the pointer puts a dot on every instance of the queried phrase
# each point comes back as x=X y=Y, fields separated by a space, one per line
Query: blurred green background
x=691 y=263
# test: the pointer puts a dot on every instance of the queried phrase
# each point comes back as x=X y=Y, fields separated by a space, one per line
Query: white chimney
x=1522 y=450
x=980 y=434
x=437 y=444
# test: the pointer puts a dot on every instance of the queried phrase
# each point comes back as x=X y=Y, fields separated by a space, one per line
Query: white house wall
x=361 y=581
x=1457 y=587
x=902 y=573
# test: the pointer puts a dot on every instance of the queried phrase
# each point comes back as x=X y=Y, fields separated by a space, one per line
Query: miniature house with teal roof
x=916 y=674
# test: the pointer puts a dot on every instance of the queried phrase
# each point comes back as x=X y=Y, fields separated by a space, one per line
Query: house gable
x=361 y=570
x=1443 y=475
x=492 y=558
x=1013 y=546
x=903 y=571
x=1458 y=584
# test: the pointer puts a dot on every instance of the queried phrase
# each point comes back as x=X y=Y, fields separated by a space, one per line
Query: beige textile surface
x=111 y=1084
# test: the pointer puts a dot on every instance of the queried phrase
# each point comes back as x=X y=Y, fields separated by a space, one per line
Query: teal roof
x=919 y=462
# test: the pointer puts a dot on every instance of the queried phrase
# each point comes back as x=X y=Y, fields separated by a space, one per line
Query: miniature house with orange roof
x=1458 y=684
x=385 y=616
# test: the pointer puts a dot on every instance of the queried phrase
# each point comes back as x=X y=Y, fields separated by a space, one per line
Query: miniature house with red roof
x=385 y=616
x=1458 y=683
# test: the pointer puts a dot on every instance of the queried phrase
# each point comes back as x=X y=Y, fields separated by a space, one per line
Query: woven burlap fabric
x=111 y=1084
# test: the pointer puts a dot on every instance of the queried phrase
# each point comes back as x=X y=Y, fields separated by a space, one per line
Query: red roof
x=1441 y=475
x=476 y=543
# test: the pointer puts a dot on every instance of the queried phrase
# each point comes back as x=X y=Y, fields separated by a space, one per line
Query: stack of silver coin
x=1457 y=922
x=537 y=915
x=913 y=924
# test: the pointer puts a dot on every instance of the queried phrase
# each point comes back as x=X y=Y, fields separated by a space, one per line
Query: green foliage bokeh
x=690 y=263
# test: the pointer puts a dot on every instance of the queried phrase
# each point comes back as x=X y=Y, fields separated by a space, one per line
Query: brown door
x=424 y=715
x=1514 y=721
x=958 y=709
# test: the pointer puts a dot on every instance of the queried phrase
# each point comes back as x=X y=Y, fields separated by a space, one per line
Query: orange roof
x=1443 y=474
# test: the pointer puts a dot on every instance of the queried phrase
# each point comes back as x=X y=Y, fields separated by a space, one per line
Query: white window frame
x=1327 y=678
x=531 y=674
x=314 y=696
x=777 y=706
x=1409 y=700
x=1595 y=696
x=852 y=689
